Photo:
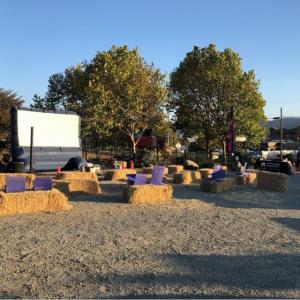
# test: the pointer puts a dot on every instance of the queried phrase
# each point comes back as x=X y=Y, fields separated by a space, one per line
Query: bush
x=145 y=158
x=205 y=164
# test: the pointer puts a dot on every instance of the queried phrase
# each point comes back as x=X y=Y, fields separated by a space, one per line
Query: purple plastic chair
x=157 y=175
x=42 y=183
x=218 y=175
x=137 y=179
x=15 y=184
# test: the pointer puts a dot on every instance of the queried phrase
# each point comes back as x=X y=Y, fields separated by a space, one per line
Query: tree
x=38 y=102
x=208 y=89
x=53 y=97
x=7 y=99
x=128 y=93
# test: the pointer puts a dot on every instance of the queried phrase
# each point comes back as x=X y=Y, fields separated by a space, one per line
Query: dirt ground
x=243 y=243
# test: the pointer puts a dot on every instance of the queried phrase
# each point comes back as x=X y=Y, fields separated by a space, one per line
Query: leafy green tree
x=8 y=99
x=126 y=92
x=53 y=98
x=207 y=87
x=38 y=102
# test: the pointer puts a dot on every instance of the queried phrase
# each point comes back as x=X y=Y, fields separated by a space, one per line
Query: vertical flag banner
x=230 y=134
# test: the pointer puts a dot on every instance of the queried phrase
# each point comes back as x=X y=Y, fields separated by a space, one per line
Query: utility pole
x=281 y=133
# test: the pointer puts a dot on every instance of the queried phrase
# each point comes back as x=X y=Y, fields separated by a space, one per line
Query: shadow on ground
x=245 y=196
x=229 y=275
x=110 y=193
x=291 y=223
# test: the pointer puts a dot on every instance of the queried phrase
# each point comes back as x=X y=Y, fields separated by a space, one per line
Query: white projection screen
x=50 y=129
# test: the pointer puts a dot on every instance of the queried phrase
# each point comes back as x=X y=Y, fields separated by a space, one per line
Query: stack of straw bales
x=205 y=172
x=33 y=201
x=147 y=194
x=114 y=175
x=276 y=182
x=217 y=186
x=76 y=175
x=175 y=169
x=85 y=182
x=88 y=186
x=29 y=179
x=187 y=177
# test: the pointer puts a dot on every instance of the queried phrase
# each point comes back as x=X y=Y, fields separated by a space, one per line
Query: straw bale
x=175 y=169
x=118 y=174
x=224 y=168
x=248 y=178
x=276 y=182
x=29 y=179
x=76 y=175
x=217 y=186
x=88 y=186
x=187 y=177
x=205 y=172
x=33 y=201
x=147 y=170
x=147 y=194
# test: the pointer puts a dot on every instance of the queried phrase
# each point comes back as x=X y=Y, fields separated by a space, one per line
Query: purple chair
x=42 y=183
x=137 y=179
x=157 y=175
x=218 y=175
x=15 y=184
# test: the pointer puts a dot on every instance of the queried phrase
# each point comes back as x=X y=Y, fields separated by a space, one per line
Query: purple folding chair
x=15 y=184
x=137 y=179
x=42 y=183
x=218 y=175
x=157 y=175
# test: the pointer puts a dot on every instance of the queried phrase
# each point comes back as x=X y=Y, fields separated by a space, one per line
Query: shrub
x=145 y=158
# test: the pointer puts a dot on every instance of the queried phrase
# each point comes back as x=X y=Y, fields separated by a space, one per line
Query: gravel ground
x=243 y=243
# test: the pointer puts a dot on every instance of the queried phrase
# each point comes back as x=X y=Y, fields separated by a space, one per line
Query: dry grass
x=187 y=177
x=77 y=185
x=76 y=175
x=147 y=194
x=33 y=201
x=276 y=182
x=175 y=169
x=217 y=186
x=29 y=179
x=118 y=174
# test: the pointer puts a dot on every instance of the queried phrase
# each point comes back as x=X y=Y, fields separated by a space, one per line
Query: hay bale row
x=77 y=185
x=276 y=182
x=28 y=177
x=187 y=177
x=33 y=201
x=175 y=169
x=217 y=186
x=147 y=194
x=248 y=178
x=205 y=172
x=114 y=175
x=76 y=175
x=149 y=170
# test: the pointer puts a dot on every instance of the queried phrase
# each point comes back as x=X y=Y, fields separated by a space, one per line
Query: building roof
x=287 y=123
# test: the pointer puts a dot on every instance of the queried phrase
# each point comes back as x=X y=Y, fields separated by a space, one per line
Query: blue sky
x=39 y=38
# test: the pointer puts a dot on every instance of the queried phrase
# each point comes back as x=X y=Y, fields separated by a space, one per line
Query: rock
x=191 y=165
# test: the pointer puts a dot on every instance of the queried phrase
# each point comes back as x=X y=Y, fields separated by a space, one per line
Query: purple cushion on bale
x=42 y=183
x=137 y=179
x=15 y=184
x=157 y=175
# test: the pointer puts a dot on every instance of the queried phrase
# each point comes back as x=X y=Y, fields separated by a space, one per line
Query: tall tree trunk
x=133 y=147
x=206 y=147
